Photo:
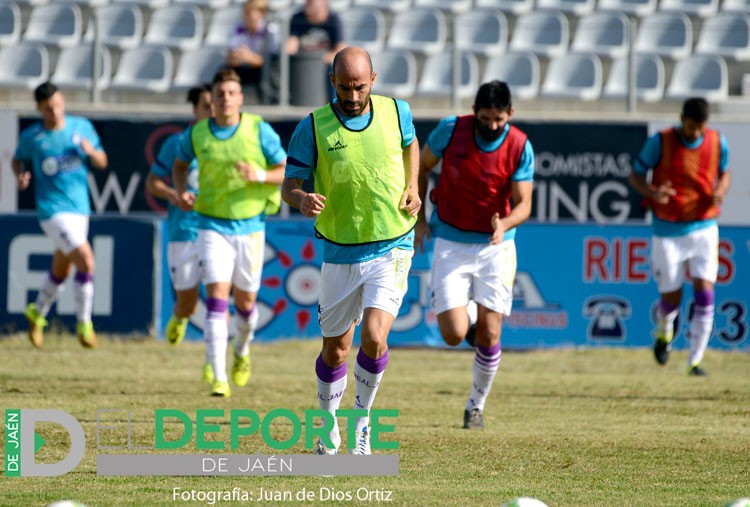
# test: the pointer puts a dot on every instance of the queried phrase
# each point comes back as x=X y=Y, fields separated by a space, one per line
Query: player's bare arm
x=722 y=187
x=519 y=213
x=309 y=204
x=250 y=172
x=410 y=200
x=185 y=199
x=159 y=188
x=98 y=158
x=660 y=194
x=427 y=161
x=23 y=177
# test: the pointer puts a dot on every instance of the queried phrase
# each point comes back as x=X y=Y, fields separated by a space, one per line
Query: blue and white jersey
x=270 y=143
x=181 y=225
x=302 y=160
x=649 y=158
x=58 y=165
x=438 y=142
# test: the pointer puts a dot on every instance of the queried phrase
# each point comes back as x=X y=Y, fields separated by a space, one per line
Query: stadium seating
x=32 y=2
x=176 y=26
x=197 y=66
x=727 y=35
x=388 y=5
x=147 y=68
x=24 y=66
x=207 y=4
x=364 y=27
x=55 y=24
x=574 y=75
x=151 y=4
x=542 y=32
x=640 y=8
x=603 y=33
x=700 y=8
x=120 y=26
x=515 y=7
x=667 y=34
x=83 y=3
x=574 y=7
x=736 y=5
x=420 y=30
x=519 y=69
x=437 y=76
x=74 y=68
x=10 y=24
x=453 y=6
x=700 y=75
x=482 y=31
x=649 y=78
x=222 y=25
x=397 y=73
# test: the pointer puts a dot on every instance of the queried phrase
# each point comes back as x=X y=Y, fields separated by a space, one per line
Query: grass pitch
x=601 y=427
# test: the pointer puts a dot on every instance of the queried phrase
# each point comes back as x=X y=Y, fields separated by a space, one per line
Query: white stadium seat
x=175 y=26
x=74 y=68
x=640 y=8
x=515 y=7
x=24 y=66
x=574 y=75
x=387 y=5
x=10 y=24
x=649 y=76
x=437 y=76
x=603 y=33
x=667 y=34
x=120 y=26
x=420 y=30
x=542 y=32
x=222 y=25
x=197 y=66
x=482 y=31
x=700 y=8
x=574 y=7
x=397 y=73
x=55 y=24
x=700 y=75
x=147 y=68
x=452 y=6
x=519 y=69
x=364 y=27
x=726 y=34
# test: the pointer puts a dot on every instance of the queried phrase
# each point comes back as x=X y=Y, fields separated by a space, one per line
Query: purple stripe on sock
x=215 y=305
x=327 y=374
x=489 y=352
x=667 y=307
x=55 y=280
x=374 y=366
x=82 y=277
x=246 y=314
x=704 y=297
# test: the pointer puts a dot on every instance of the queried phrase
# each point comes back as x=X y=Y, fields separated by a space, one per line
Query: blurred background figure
x=316 y=28
x=253 y=49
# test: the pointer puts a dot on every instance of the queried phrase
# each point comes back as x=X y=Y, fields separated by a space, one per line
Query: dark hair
x=493 y=95
x=696 y=109
x=44 y=91
x=226 y=74
x=194 y=93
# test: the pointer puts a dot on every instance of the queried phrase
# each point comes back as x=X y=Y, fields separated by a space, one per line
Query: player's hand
x=663 y=193
x=87 y=147
x=421 y=234
x=498 y=230
x=248 y=171
x=718 y=198
x=23 y=178
x=239 y=56
x=186 y=201
x=312 y=204
x=410 y=201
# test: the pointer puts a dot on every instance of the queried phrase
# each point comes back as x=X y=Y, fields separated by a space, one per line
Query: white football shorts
x=67 y=231
x=464 y=271
x=347 y=289
x=184 y=264
x=697 y=251
x=232 y=258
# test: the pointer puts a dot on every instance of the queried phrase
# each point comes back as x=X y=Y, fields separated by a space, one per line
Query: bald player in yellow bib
x=363 y=153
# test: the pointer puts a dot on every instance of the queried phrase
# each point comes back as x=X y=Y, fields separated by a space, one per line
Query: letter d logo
x=30 y=441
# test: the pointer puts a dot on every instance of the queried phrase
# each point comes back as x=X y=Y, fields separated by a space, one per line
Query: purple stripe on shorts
x=704 y=297
x=82 y=277
x=374 y=366
x=55 y=280
x=327 y=374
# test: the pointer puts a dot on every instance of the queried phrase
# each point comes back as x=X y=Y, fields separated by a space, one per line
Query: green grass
x=602 y=427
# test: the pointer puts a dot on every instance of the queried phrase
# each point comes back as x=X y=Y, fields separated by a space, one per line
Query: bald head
x=352 y=60
x=352 y=77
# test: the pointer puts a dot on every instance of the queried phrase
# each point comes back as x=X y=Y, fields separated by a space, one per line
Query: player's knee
x=335 y=354
x=452 y=339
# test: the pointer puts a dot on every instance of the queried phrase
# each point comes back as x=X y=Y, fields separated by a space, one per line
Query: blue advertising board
x=576 y=285
x=123 y=283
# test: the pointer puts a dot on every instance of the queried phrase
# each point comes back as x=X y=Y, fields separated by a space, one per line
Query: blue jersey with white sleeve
x=181 y=225
x=58 y=165
x=438 y=141
x=649 y=158
x=301 y=165
x=270 y=143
